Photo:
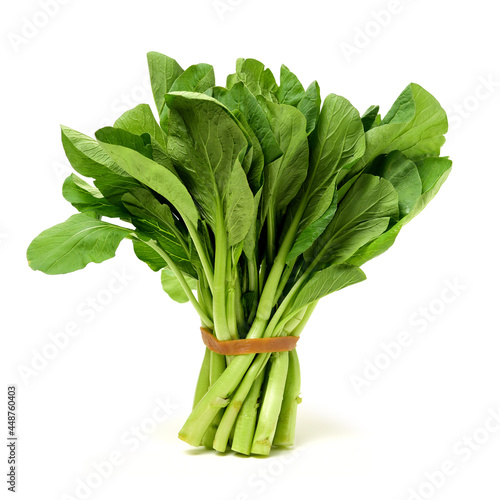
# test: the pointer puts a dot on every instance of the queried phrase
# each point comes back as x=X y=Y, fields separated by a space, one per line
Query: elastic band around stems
x=248 y=346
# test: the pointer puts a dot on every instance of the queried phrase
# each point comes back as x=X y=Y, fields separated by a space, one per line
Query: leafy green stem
x=205 y=262
x=219 y=289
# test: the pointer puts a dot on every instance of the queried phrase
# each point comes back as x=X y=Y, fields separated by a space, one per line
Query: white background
x=85 y=66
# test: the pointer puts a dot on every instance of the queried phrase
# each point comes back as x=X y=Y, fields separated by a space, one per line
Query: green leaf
x=253 y=163
x=114 y=186
x=120 y=137
x=163 y=72
x=87 y=198
x=89 y=159
x=149 y=173
x=376 y=247
x=205 y=143
x=171 y=285
x=336 y=143
x=155 y=220
x=290 y=90
x=238 y=206
x=402 y=173
x=338 y=140
x=239 y=98
x=310 y=106
x=284 y=177
x=369 y=117
x=148 y=255
x=327 y=281
x=85 y=154
x=312 y=232
x=197 y=78
x=73 y=244
x=433 y=172
x=362 y=215
x=415 y=125
x=258 y=79
x=140 y=120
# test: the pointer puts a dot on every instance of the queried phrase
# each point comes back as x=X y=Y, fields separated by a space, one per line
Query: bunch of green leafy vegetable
x=254 y=200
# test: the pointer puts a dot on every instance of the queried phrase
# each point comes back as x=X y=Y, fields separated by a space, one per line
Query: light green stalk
x=222 y=331
x=285 y=428
x=206 y=264
x=193 y=430
x=217 y=367
x=271 y=404
x=244 y=427
x=237 y=401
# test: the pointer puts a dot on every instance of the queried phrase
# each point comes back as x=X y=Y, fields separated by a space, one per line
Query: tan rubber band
x=248 y=346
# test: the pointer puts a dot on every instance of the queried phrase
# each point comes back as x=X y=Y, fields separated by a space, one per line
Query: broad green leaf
x=402 y=173
x=169 y=242
x=362 y=215
x=148 y=255
x=239 y=98
x=326 y=281
x=369 y=117
x=197 y=78
x=114 y=186
x=238 y=206
x=87 y=198
x=120 y=137
x=73 y=244
x=311 y=233
x=89 y=159
x=378 y=246
x=149 y=173
x=415 y=125
x=85 y=154
x=284 y=177
x=258 y=79
x=310 y=106
x=205 y=143
x=140 y=120
x=155 y=220
x=421 y=121
x=171 y=285
x=290 y=90
x=145 y=253
x=337 y=142
x=163 y=72
x=253 y=163
x=433 y=172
